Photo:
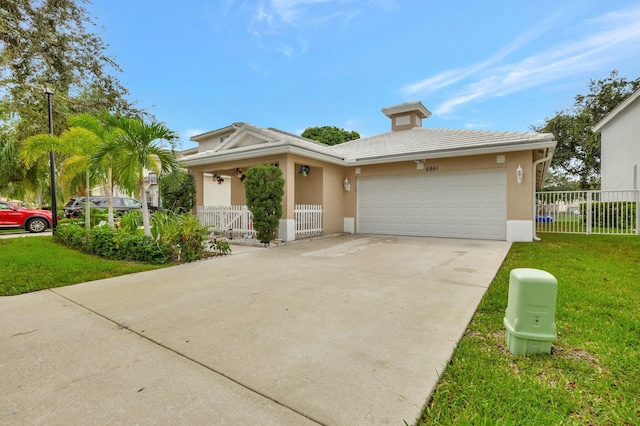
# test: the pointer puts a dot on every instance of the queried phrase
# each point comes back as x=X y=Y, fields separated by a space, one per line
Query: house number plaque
x=431 y=169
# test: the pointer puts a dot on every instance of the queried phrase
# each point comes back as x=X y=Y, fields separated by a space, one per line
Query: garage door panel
x=463 y=205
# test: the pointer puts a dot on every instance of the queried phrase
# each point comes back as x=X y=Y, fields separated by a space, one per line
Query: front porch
x=238 y=220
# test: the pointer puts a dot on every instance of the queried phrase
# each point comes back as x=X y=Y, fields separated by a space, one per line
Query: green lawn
x=593 y=373
x=35 y=263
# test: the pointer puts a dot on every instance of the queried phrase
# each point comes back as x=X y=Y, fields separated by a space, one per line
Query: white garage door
x=452 y=205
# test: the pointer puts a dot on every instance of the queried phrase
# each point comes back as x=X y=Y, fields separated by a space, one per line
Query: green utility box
x=531 y=309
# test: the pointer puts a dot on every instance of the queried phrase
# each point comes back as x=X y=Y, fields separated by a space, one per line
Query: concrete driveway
x=338 y=331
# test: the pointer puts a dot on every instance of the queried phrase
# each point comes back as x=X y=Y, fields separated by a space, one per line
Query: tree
x=178 y=192
x=75 y=144
x=103 y=132
x=264 y=188
x=577 y=154
x=46 y=44
x=330 y=135
x=136 y=146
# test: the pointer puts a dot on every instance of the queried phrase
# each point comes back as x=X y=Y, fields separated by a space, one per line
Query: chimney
x=407 y=115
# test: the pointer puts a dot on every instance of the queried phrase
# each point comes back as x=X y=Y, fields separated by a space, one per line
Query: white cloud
x=447 y=78
x=612 y=35
x=273 y=18
x=290 y=11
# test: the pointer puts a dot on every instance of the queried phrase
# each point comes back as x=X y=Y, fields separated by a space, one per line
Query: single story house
x=620 y=145
x=412 y=180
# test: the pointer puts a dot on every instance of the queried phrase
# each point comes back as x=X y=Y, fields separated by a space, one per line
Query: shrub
x=264 y=187
x=131 y=221
x=72 y=235
x=178 y=192
x=220 y=248
x=143 y=248
x=188 y=238
x=102 y=241
x=177 y=237
x=610 y=214
x=164 y=226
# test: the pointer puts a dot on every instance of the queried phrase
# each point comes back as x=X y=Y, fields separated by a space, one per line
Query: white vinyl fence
x=239 y=220
x=588 y=212
x=236 y=219
x=308 y=219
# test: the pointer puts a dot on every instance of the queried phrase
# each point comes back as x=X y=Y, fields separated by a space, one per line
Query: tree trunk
x=110 y=196
x=87 y=206
x=145 y=208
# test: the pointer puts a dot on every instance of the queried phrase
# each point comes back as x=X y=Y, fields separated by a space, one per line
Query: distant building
x=620 y=149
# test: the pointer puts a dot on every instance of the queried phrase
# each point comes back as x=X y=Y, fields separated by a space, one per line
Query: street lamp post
x=52 y=164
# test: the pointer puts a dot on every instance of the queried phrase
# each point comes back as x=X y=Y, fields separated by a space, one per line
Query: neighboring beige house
x=409 y=181
x=620 y=147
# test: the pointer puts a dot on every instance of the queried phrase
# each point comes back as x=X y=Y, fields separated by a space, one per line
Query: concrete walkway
x=351 y=330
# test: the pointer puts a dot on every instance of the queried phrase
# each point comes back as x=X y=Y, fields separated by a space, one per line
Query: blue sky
x=199 y=65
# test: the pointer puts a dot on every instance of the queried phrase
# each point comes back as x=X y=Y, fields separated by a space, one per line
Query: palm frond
x=38 y=146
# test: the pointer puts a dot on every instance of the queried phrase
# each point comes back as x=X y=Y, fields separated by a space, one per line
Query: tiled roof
x=277 y=138
x=416 y=141
x=426 y=140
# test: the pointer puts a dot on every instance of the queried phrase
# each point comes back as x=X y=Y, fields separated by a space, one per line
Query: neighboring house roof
x=250 y=141
x=617 y=111
x=188 y=151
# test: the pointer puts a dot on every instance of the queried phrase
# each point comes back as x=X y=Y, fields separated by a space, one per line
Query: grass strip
x=36 y=263
x=592 y=375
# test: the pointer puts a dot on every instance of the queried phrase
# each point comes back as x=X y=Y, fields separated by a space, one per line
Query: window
x=130 y=202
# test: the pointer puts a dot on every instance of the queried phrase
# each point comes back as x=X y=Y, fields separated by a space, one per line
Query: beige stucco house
x=412 y=180
x=620 y=145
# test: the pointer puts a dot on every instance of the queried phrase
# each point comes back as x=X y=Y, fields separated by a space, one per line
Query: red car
x=33 y=220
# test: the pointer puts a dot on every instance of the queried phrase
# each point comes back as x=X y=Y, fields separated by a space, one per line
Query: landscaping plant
x=220 y=247
x=188 y=238
x=264 y=188
x=178 y=192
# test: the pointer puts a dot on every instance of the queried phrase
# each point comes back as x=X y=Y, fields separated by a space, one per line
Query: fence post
x=637 y=211
x=589 y=212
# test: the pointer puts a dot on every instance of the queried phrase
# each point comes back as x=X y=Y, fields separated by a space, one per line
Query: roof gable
x=245 y=136
x=627 y=103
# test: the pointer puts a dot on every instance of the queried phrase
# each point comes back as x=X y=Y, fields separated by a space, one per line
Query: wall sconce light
x=346 y=184
x=218 y=178
x=519 y=174
x=240 y=175
x=304 y=170
x=419 y=164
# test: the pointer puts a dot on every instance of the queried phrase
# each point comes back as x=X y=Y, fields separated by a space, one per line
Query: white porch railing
x=308 y=219
x=237 y=219
x=588 y=212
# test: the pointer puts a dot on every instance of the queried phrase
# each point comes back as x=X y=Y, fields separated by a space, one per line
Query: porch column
x=198 y=178
x=287 y=230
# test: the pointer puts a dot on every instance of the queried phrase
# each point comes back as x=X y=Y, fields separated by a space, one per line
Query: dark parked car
x=33 y=220
x=121 y=205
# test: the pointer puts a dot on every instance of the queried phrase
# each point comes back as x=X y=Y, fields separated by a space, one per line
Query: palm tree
x=76 y=145
x=103 y=132
x=137 y=146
